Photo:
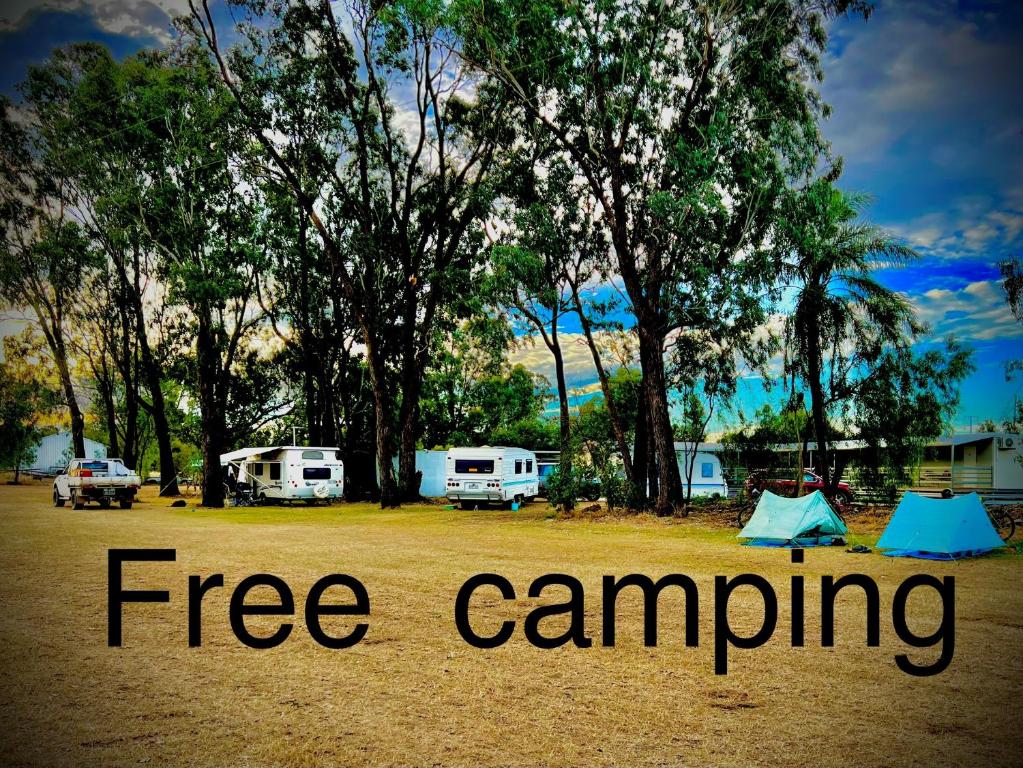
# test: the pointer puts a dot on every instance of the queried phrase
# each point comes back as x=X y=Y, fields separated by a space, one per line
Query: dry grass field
x=414 y=693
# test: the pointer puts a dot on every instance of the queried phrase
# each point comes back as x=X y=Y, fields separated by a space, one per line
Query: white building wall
x=54 y=451
x=1008 y=470
x=431 y=464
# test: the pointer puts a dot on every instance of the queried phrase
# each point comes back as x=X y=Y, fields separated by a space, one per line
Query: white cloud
x=976 y=312
x=917 y=68
x=965 y=229
x=580 y=372
x=133 y=18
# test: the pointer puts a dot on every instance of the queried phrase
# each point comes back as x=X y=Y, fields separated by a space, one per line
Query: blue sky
x=927 y=100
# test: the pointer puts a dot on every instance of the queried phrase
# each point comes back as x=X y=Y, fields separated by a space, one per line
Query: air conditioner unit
x=1006 y=443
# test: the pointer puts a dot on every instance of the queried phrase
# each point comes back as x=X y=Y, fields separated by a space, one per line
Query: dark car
x=757 y=482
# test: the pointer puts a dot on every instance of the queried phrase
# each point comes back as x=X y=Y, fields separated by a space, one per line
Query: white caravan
x=476 y=476
x=708 y=477
x=288 y=472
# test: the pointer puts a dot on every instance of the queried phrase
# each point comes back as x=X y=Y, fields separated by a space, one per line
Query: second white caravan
x=490 y=474
x=288 y=472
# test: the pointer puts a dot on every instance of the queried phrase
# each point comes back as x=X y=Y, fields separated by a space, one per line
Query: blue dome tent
x=939 y=529
x=780 y=521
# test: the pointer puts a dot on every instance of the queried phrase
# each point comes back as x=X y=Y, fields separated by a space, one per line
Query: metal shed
x=54 y=452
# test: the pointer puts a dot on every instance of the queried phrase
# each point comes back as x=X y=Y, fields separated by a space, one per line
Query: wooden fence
x=927 y=481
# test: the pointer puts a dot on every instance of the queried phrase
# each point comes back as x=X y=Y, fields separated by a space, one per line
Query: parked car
x=100 y=480
x=758 y=482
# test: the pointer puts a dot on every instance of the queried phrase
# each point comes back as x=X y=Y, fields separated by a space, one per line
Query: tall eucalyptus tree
x=400 y=180
x=686 y=121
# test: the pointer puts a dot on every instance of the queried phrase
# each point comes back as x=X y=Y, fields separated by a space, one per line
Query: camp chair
x=243 y=494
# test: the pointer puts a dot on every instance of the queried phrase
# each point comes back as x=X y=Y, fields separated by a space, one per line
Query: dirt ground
x=414 y=693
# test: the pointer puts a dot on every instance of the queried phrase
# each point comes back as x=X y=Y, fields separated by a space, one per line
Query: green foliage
x=682 y=125
x=564 y=488
x=905 y=405
x=535 y=434
x=23 y=400
x=752 y=445
x=845 y=325
x=472 y=397
x=617 y=491
x=694 y=418
x=593 y=438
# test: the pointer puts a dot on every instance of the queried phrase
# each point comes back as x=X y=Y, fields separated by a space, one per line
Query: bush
x=563 y=487
x=616 y=489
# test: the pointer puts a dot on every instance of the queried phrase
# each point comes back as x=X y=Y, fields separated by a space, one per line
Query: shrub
x=563 y=488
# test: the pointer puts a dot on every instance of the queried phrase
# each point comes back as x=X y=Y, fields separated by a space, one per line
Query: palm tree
x=843 y=318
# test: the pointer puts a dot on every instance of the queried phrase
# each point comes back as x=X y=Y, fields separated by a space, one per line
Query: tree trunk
x=408 y=480
x=565 y=466
x=210 y=413
x=161 y=427
x=77 y=419
x=640 y=460
x=55 y=340
x=651 y=358
x=382 y=411
x=412 y=371
x=151 y=371
x=104 y=388
x=408 y=417
x=128 y=376
x=312 y=402
x=652 y=477
x=614 y=415
x=820 y=421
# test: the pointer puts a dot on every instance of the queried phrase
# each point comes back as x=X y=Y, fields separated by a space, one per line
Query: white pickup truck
x=101 y=480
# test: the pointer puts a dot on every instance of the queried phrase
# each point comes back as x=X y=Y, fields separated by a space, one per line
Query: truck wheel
x=126 y=504
x=57 y=500
x=76 y=503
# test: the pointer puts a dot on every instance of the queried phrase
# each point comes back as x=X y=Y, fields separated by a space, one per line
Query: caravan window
x=474 y=466
x=529 y=465
x=275 y=471
x=518 y=466
x=316 y=473
x=256 y=468
x=707 y=469
x=318 y=455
